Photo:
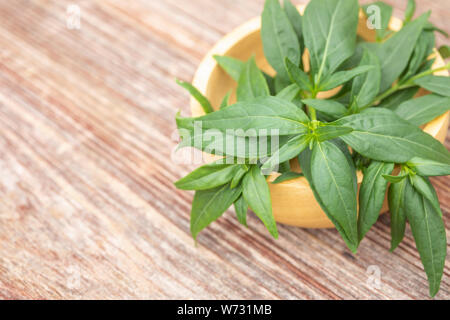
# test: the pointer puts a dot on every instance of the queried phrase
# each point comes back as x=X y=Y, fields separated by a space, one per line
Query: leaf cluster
x=372 y=124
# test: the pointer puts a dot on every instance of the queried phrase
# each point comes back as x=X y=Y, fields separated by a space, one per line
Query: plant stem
x=428 y=72
x=407 y=84
x=312 y=111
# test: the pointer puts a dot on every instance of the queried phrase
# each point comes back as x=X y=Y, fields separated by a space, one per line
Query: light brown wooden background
x=87 y=204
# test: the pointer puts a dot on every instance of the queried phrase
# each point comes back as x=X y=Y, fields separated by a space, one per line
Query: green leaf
x=423 y=49
x=206 y=105
x=279 y=38
x=429 y=234
x=255 y=118
x=331 y=172
x=287 y=152
x=394 y=100
x=384 y=18
x=338 y=78
x=270 y=83
x=252 y=83
x=424 y=109
x=381 y=135
x=444 y=51
x=427 y=65
x=396 y=196
x=330 y=131
x=295 y=18
x=305 y=163
x=429 y=168
x=431 y=27
x=238 y=176
x=280 y=83
x=289 y=93
x=372 y=195
x=287 y=176
x=410 y=9
x=366 y=86
x=329 y=107
x=257 y=195
x=436 y=84
x=226 y=144
x=426 y=189
x=225 y=100
x=298 y=76
x=208 y=176
x=329 y=29
x=284 y=167
x=394 y=53
x=209 y=205
x=395 y=179
x=231 y=66
x=241 y=208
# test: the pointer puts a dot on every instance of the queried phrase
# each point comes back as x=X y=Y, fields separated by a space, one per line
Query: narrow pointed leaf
x=287 y=176
x=252 y=83
x=279 y=38
x=288 y=151
x=410 y=9
x=241 y=208
x=423 y=49
x=426 y=189
x=367 y=85
x=330 y=171
x=422 y=110
x=226 y=144
x=341 y=77
x=305 y=163
x=429 y=234
x=204 y=102
x=396 y=196
x=436 y=84
x=372 y=195
x=329 y=30
x=289 y=93
x=381 y=135
x=295 y=19
x=394 y=54
x=209 y=205
x=257 y=195
x=255 y=118
x=328 y=107
x=330 y=132
x=225 y=100
x=298 y=76
x=239 y=175
x=429 y=168
x=208 y=176
x=232 y=66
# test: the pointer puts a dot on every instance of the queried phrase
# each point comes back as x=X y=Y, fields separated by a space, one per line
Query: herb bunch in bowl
x=371 y=122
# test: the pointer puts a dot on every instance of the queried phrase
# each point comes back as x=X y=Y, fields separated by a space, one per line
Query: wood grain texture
x=87 y=203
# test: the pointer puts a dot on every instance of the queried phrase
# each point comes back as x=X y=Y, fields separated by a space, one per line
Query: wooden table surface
x=87 y=135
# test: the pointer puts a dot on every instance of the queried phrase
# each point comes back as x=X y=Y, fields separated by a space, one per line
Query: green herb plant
x=372 y=124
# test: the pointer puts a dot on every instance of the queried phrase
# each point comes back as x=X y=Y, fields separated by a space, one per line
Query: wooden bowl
x=293 y=201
